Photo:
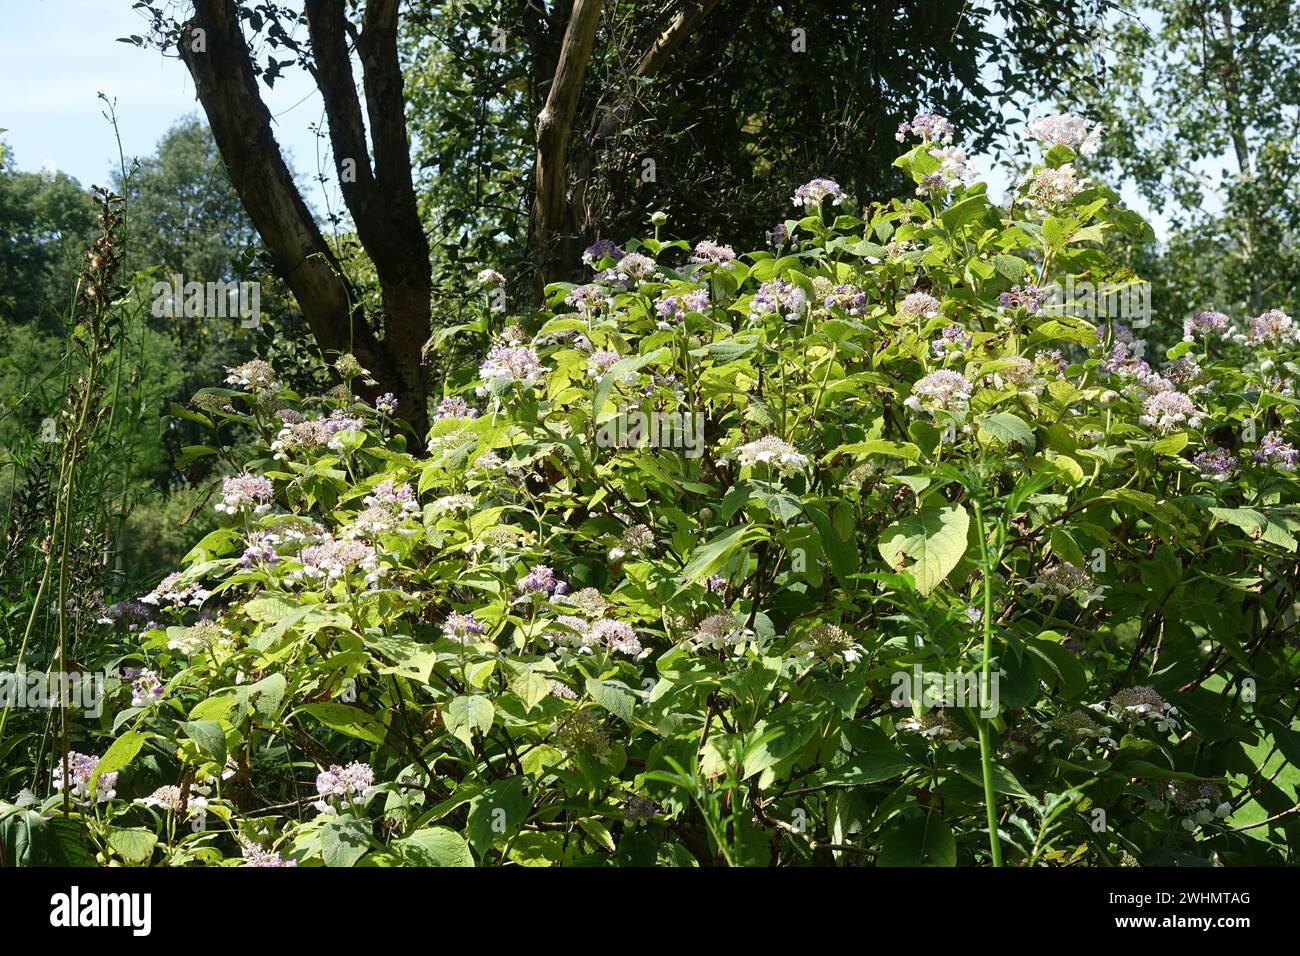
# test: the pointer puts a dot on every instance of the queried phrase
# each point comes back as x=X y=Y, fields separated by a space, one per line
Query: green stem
x=986 y=757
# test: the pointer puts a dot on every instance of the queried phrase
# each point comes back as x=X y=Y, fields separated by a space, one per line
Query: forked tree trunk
x=381 y=199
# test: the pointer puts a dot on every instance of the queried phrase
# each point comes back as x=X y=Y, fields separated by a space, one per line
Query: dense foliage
x=547 y=638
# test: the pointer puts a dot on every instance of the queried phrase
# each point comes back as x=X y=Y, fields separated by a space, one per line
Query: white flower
x=719 y=632
x=80 y=769
x=938 y=726
x=1064 y=579
x=1168 y=409
x=1066 y=129
x=509 y=364
x=245 y=493
x=920 y=305
x=829 y=642
x=780 y=455
x=347 y=786
x=1050 y=188
x=944 y=390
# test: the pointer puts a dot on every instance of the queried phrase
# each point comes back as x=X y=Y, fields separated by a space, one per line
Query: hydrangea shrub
x=855 y=550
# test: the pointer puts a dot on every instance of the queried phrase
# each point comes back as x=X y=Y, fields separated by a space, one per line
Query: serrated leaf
x=436 y=846
x=934 y=540
x=347 y=720
x=207 y=736
x=466 y=714
x=134 y=845
x=920 y=841
x=1013 y=267
x=613 y=696
x=344 y=840
x=1009 y=429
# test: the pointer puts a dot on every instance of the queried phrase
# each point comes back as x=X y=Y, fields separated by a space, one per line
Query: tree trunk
x=554 y=124
x=1240 y=146
x=607 y=122
x=382 y=200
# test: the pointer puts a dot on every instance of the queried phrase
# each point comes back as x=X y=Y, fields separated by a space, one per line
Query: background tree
x=1202 y=105
x=46 y=219
x=729 y=100
x=604 y=86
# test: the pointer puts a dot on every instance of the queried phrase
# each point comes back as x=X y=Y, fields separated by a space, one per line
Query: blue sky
x=57 y=55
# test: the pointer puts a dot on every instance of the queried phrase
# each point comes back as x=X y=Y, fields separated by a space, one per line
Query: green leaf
x=1054 y=232
x=347 y=720
x=1170 y=444
x=710 y=556
x=843 y=554
x=134 y=845
x=532 y=685
x=207 y=736
x=934 y=540
x=598 y=832
x=1247 y=519
x=411 y=658
x=1013 y=267
x=344 y=840
x=22 y=833
x=497 y=812
x=872 y=766
x=120 y=753
x=964 y=211
x=920 y=841
x=268 y=609
x=613 y=696
x=1065 y=664
x=436 y=846
x=875 y=446
x=466 y=714
x=264 y=696
x=724 y=352
x=1009 y=429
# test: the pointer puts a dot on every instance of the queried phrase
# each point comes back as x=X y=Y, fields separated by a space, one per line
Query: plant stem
x=986 y=758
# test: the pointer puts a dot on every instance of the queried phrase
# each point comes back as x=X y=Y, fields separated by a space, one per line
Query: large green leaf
x=120 y=753
x=613 y=696
x=466 y=714
x=496 y=812
x=347 y=720
x=1009 y=429
x=21 y=835
x=134 y=844
x=920 y=841
x=934 y=540
x=344 y=840
x=871 y=766
x=436 y=846
x=710 y=556
x=208 y=736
